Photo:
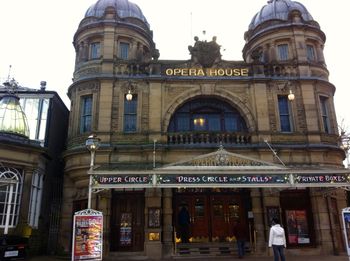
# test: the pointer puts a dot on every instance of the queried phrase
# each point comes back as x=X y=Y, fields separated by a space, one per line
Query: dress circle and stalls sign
x=87 y=235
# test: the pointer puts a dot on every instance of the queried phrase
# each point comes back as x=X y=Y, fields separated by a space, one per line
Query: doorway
x=212 y=215
x=127 y=221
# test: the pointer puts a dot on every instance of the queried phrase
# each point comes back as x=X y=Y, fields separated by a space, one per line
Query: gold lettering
x=184 y=72
x=200 y=72
x=221 y=72
x=177 y=71
x=228 y=72
x=211 y=72
x=244 y=72
x=207 y=72
x=192 y=72
x=236 y=72
x=169 y=72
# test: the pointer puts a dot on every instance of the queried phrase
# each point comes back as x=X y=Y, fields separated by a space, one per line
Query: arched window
x=10 y=177
x=207 y=114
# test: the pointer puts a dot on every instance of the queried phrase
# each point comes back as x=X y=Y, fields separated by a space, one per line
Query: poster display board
x=298 y=230
x=87 y=235
x=346 y=227
x=125 y=238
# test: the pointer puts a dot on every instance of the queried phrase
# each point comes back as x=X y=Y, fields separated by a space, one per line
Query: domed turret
x=113 y=32
x=123 y=8
x=279 y=10
x=284 y=31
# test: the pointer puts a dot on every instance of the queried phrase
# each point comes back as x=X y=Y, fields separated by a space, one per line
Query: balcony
x=182 y=138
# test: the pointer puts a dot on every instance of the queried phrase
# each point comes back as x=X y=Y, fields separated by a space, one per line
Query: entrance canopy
x=218 y=169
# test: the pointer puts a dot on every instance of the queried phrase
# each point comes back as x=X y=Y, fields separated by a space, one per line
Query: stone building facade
x=33 y=131
x=229 y=140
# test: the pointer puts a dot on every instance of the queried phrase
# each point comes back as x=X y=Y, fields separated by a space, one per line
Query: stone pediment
x=223 y=159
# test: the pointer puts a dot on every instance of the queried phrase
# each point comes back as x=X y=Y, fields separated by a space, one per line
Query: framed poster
x=297 y=227
x=272 y=212
x=125 y=237
x=87 y=235
x=154 y=217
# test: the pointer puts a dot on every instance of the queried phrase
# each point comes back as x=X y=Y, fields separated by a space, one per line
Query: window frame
x=310 y=53
x=283 y=51
x=284 y=115
x=35 y=199
x=16 y=175
x=325 y=114
x=218 y=116
x=130 y=113
x=85 y=113
x=124 y=50
x=95 y=50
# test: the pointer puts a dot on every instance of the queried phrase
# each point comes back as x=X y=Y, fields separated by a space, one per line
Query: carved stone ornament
x=222 y=159
x=205 y=53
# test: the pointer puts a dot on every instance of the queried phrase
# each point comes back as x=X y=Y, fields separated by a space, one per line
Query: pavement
x=231 y=258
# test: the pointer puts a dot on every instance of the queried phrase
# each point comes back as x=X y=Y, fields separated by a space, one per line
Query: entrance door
x=198 y=209
x=225 y=210
x=127 y=221
x=212 y=216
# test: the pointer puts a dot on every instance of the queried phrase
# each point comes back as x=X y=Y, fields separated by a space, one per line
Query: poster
x=154 y=217
x=125 y=238
x=297 y=227
x=346 y=217
x=272 y=212
x=87 y=236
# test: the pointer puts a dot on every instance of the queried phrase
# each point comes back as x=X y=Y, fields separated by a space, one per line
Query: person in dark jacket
x=240 y=233
x=184 y=225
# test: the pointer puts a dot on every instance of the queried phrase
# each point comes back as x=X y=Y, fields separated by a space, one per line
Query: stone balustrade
x=209 y=138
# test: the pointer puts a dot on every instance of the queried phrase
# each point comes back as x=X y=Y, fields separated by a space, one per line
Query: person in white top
x=277 y=240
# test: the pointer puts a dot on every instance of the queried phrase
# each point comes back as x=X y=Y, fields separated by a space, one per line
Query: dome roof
x=12 y=118
x=279 y=10
x=123 y=8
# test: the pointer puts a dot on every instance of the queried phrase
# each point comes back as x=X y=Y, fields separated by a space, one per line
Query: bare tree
x=344 y=139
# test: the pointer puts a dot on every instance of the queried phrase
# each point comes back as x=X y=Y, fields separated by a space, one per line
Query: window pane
x=214 y=122
x=310 y=53
x=283 y=107
x=130 y=114
x=124 y=51
x=86 y=114
x=283 y=52
x=95 y=50
x=206 y=115
x=31 y=109
x=183 y=122
x=14 y=174
x=325 y=114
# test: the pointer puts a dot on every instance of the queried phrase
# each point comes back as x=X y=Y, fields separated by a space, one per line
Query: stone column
x=153 y=245
x=258 y=213
x=168 y=230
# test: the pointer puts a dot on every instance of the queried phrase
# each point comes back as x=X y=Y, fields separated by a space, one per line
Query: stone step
x=207 y=249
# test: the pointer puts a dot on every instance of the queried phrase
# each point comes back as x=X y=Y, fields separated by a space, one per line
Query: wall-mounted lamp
x=128 y=96
x=291 y=96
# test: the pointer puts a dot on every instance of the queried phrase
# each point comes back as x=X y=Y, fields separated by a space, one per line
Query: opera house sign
x=211 y=72
x=205 y=55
